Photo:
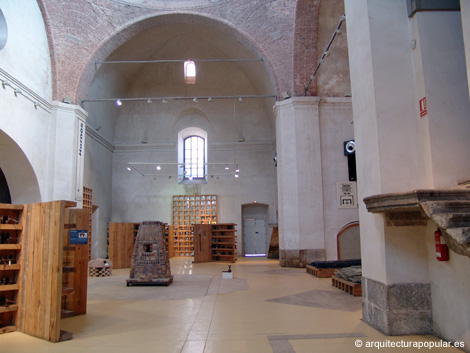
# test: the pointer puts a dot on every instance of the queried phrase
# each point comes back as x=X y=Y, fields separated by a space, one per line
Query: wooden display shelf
x=11 y=207
x=188 y=210
x=67 y=291
x=8 y=313
x=10 y=246
x=9 y=308
x=8 y=287
x=66 y=313
x=12 y=267
x=7 y=329
x=11 y=227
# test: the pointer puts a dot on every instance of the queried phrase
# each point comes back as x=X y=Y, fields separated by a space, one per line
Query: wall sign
x=80 y=160
x=346 y=194
x=78 y=237
x=423 y=108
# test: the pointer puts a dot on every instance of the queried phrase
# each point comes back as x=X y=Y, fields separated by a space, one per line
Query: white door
x=254 y=231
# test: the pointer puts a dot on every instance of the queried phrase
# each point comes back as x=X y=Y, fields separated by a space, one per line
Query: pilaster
x=300 y=188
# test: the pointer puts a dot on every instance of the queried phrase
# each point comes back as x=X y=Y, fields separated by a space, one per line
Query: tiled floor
x=264 y=309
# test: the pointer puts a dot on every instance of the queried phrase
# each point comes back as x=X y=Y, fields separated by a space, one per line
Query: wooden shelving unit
x=32 y=258
x=11 y=236
x=188 y=210
x=75 y=265
x=88 y=205
x=215 y=242
x=224 y=245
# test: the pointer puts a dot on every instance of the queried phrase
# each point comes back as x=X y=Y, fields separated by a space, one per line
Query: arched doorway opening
x=19 y=175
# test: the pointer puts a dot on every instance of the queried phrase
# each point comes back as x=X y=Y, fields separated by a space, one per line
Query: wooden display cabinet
x=11 y=228
x=188 y=210
x=224 y=246
x=215 y=242
x=32 y=269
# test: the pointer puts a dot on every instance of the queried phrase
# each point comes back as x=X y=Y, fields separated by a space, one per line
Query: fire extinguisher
x=442 y=251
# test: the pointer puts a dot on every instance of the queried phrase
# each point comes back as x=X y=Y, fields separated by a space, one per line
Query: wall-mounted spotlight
x=209 y=99
x=129 y=168
x=240 y=99
x=149 y=101
x=195 y=99
x=164 y=100
x=158 y=167
x=118 y=102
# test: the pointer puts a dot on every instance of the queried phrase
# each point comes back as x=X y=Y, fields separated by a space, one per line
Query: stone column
x=67 y=154
x=300 y=189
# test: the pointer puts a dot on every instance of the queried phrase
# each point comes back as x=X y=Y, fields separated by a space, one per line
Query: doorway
x=255 y=230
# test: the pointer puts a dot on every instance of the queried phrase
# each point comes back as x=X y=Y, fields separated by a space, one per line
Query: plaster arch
x=21 y=178
x=192 y=118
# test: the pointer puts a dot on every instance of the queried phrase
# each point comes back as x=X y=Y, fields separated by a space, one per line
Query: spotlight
x=209 y=99
x=236 y=175
x=240 y=99
x=128 y=168
x=118 y=103
x=149 y=101
x=227 y=167
x=164 y=100
x=195 y=99
x=159 y=168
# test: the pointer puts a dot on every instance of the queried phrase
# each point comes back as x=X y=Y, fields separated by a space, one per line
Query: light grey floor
x=264 y=309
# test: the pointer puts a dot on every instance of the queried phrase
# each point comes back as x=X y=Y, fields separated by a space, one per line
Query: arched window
x=194 y=157
x=189 y=72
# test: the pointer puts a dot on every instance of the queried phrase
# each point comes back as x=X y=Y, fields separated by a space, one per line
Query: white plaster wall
x=446 y=90
x=137 y=198
x=98 y=176
x=450 y=290
x=24 y=62
x=336 y=126
x=26 y=54
x=465 y=13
